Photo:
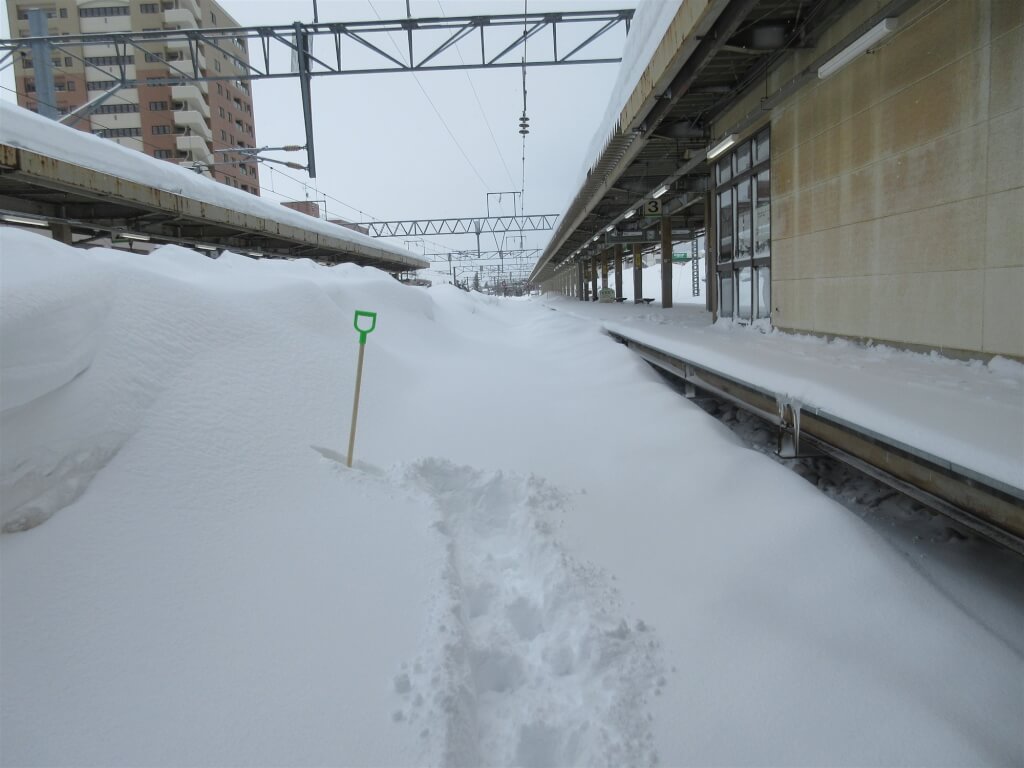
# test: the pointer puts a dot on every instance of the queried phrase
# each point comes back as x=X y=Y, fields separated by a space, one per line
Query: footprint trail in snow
x=534 y=663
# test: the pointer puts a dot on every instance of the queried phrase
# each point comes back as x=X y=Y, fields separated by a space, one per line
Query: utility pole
x=43 y=66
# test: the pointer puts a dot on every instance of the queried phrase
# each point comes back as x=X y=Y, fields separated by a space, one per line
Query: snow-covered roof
x=23 y=129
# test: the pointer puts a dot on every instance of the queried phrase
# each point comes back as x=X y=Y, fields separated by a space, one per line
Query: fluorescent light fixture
x=660 y=191
x=130 y=236
x=630 y=214
x=24 y=220
x=609 y=228
x=594 y=238
x=256 y=254
x=207 y=247
x=721 y=146
x=862 y=44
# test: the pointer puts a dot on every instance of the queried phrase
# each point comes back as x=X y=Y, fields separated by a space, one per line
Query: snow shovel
x=363 y=333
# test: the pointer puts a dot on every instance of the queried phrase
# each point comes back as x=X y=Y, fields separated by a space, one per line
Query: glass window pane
x=725 y=294
x=763 y=146
x=724 y=170
x=744 y=222
x=763 y=217
x=764 y=292
x=725 y=235
x=743 y=293
x=742 y=157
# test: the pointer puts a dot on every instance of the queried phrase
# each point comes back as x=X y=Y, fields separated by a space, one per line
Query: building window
x=160 y=130
x=221 y=111
x=115 y=109
x=154 y=58
x=109 y=10
x=71 y=85
x=150 y=8
x=157 y=106
x=63 y=13
x=744 y=230
x=220 y=91
x=108 y=61
x=163 y=154
x=118 y=133
x=100 y=85
x=216 y=64
x=213 y=17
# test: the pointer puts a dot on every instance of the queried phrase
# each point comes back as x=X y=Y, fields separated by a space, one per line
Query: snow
x=20 y=127
x=648 y=27
x=543 y=555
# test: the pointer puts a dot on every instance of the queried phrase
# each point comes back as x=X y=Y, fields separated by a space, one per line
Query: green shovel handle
x=364 y=332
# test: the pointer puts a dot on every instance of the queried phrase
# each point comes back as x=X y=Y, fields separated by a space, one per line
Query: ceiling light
x=630 y=213
x=23 y=220
x=721 y=146
x=609 y=228
x=594 y=238
x=207 y=247
x=660 y=191
x=862 y=44
x=131 y=236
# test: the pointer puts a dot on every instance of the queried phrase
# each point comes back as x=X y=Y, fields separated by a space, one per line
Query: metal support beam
x=460 y=226
x=666 y=262
x=42 y=64
x=618 y=271
x=302 y=44
x=638 y=274
x=604 y=269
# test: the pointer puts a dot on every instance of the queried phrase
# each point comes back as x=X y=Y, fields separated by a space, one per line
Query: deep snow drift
x=543 y=556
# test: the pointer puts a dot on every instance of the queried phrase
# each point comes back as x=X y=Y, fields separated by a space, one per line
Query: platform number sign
x=652 y=208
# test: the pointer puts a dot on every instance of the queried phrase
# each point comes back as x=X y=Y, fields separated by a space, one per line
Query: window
x=100 y=85
x=213 y=17
x=163 y=154
x=160 y=130
x=220 y=91
x=744 y=228
x=157 y=106
x=63 y=13
x=67 y=61
x=153 y=58
x=108 y=61
x=71 y=85
x=221 y=111
x=118 y=133
x=110 y=10
x=150 y=8
x=216 y=64
x=115 y=109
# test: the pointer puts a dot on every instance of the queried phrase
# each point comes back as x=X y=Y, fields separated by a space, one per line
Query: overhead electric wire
x=480 y=106
x=431 y=102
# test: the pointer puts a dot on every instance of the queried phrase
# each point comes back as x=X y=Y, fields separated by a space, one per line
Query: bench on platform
x=643 y=301
x=621 y=299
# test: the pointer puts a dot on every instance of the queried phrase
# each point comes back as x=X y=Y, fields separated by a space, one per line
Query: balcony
x=192 y=96
x=193 y=121
x=196 y=146
x=181 y=18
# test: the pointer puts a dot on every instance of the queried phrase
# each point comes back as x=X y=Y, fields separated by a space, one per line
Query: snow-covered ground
x=543 y=556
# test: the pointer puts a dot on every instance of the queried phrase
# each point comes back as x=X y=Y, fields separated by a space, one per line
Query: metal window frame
x=734 y=265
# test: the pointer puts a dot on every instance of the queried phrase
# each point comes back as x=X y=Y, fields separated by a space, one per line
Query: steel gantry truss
x=320 y=49
x=469 y=226
x=515 y=255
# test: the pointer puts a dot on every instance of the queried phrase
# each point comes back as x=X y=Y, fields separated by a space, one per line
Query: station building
x=857 y=167
x=192 y=123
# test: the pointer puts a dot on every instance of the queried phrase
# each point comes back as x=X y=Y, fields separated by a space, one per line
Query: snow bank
x=543 y=557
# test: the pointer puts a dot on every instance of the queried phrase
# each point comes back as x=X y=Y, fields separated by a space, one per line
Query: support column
x=593 y=276
x=638 y=274
x=666 y=262
x=618 y=270
x=584 y=280
x=604 y=269
x=710 y=257
x=61 y=232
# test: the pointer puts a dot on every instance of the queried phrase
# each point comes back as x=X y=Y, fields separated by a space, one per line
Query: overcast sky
x=383 y=149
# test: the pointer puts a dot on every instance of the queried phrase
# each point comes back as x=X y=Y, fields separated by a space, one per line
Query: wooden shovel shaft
x=355 y=404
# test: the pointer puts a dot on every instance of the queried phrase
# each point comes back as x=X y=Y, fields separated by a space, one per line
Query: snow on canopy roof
x=648 y=27
x=22 y=128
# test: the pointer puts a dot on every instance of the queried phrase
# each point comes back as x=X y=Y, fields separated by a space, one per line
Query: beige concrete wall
x=898 y=184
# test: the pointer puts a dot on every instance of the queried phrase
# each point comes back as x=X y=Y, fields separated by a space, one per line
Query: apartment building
x=194 y=124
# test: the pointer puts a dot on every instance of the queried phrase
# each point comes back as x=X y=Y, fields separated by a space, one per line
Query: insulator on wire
x=524 y=125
